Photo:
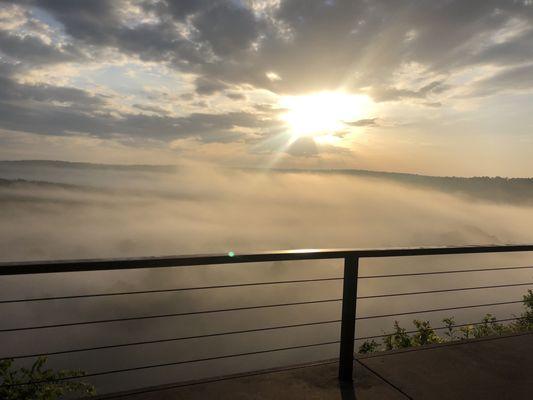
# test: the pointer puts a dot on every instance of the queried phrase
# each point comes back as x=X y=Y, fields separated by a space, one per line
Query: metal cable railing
x=495 y=321
x=451 y=271
x=432 y=310
x=235 y=285
x=168 y=364
x=146 y=342
x=182 y=314
x=378 y=296
x=209 y=335
x=349 y=299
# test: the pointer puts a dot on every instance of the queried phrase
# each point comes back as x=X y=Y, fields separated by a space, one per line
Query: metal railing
x=349 y=298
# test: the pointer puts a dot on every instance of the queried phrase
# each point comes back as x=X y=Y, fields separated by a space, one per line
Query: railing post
x=349 y=300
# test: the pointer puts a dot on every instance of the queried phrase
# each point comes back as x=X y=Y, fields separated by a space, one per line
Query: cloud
x=392 y=94
x=313 y=45
x=34 y=50
x=303 y=147
x=54 y=110
x=151 y=108
x=363 y=122
x=231 y=55
x=227 y=26
x=516 y=79
x=208 y=87
x=235 y=96
x=14 y=91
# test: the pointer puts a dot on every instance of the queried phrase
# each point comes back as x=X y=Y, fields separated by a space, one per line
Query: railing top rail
x=39 y=267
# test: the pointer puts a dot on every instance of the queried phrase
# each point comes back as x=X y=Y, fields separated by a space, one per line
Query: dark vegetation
x=39 y=383
x=424 y=334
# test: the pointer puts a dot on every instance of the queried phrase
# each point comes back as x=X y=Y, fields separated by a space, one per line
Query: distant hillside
x=87 y=166
x=493 y=189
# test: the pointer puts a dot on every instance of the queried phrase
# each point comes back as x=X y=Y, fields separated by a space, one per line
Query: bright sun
x=322 y=114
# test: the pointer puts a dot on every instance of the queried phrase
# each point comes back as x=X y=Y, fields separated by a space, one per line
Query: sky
x=441 y=88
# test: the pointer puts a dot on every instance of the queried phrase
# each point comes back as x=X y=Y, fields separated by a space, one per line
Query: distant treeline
x=495 y=189
x=88 y=166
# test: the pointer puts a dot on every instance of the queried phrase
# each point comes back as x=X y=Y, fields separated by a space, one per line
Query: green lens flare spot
x=231 y=254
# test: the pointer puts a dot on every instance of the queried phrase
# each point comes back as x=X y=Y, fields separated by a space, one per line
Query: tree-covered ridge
x=494 y=189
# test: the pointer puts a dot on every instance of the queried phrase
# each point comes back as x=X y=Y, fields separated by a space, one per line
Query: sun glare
x=322 y=114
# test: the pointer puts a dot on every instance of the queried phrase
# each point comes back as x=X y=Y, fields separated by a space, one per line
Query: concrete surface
x=310 y=382
x=490 y=368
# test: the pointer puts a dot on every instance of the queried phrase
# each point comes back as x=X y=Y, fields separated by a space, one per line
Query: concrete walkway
x=491 y=368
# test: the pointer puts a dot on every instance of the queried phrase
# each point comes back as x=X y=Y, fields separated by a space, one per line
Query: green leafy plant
x=467 y=331
x=398 y=339
x=449 y=323
x=39 y=383
x=368 y=347
x=488 y=326
x=424 y=334
x=525 y=321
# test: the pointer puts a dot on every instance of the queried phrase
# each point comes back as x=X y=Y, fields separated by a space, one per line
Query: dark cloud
x=34 y=50
x=94 y=20
x=178 y=10
x=14 y=91
x=227 y=27
x=55 y=110
x=310 y=44
x=514 y=51
x=204 y=86
x=235 y=96
x=98 y=24
x=512 y=79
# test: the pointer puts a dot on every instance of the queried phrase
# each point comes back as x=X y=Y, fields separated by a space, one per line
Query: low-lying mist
x=119 y=212
x=62 y=210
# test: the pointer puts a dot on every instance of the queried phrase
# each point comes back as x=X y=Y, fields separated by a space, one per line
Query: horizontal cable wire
x=453 y=271
x=438 y=309
x=103 y=321
x=242 y=309
x=439 y=328
x=115 y=371
x=173 y=339
x=82 y=296
x=443 y=290
x=230 y=333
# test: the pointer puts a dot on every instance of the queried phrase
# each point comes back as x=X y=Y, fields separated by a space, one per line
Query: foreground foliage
x=424 y=334
x=39 y=383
